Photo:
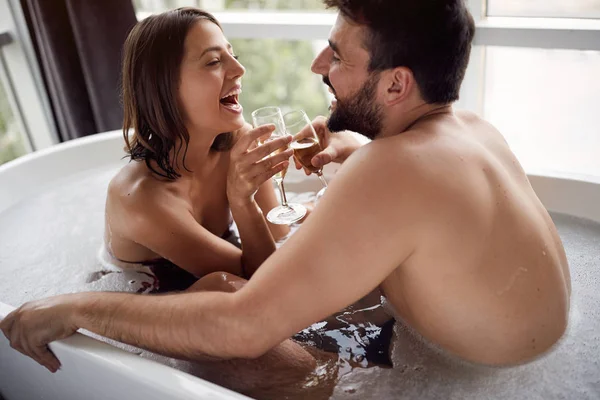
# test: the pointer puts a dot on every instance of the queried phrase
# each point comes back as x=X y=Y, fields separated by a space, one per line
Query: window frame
x=22 y=79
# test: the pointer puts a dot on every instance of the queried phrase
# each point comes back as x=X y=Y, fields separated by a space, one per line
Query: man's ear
x=397 y=84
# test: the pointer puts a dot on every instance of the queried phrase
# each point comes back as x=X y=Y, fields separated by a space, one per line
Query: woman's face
x=210 y=81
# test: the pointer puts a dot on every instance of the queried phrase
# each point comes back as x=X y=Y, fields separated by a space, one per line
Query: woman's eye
x=236 y=57
x=214 y=62
x=334 y=58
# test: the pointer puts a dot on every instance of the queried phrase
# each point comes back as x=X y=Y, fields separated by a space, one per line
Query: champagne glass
x=286 y=213
x=306 y=143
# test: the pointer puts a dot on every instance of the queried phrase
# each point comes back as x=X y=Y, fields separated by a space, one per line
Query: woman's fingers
x=268 y=163
x=271 y=172
x=245 y=142
x=263 y=151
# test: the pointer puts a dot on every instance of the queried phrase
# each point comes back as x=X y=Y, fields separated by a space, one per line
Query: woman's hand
x=251 y=165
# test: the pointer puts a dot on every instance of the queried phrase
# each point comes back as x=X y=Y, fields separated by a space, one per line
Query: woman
x=173 y=201
x=194 y=159
x=194 y=165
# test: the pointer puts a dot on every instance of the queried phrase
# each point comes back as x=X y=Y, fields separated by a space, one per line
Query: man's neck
x=408 y=120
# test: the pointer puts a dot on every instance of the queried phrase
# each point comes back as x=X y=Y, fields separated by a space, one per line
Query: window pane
x=545 y=8
x=220 y=5
x=278 y=73
x=546 y=105
x=11 y=137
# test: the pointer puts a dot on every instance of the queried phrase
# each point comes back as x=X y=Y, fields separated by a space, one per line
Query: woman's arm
x=267 y=200
x=257 y=242
x=250 y=172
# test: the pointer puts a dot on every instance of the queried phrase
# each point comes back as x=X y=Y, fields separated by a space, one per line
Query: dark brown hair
x=153 y=53
x=431 y=37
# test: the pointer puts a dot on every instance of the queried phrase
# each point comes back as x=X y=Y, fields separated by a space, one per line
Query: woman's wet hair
x=152 y=58
x=430 y=37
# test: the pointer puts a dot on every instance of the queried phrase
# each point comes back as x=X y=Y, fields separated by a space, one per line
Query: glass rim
x=258 y=112
x=302 y=118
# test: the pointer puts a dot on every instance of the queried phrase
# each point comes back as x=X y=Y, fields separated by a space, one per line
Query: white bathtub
x=95 y=370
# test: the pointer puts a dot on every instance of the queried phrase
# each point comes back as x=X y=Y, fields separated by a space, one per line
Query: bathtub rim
x=562 y=192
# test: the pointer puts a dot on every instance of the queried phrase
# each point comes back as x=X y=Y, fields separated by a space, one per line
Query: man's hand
x=31 y=327
x=337 y=147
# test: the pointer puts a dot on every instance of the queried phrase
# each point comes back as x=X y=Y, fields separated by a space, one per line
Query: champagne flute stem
x=282 y=192
x=322 y=178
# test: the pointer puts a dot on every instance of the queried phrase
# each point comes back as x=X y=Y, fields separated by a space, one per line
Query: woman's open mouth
x=231 y=100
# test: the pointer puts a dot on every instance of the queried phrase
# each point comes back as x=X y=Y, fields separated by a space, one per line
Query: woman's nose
x=238 y=70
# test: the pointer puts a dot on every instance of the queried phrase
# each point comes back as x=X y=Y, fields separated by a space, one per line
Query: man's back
x=488 y=278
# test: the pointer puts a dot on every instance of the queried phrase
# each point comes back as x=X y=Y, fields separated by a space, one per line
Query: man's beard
x=360 y=114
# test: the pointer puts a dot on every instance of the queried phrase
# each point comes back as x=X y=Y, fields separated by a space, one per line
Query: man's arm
x=362 y=230
x=360 y=233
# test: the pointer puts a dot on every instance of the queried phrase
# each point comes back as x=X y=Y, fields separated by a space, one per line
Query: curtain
x=79 y=44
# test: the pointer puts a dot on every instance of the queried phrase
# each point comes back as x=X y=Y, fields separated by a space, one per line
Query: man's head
x=385 y=55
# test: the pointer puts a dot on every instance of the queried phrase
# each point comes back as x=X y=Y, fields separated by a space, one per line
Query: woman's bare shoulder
x=135 y=186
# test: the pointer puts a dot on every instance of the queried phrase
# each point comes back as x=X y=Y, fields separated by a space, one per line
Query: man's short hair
x=430 y=37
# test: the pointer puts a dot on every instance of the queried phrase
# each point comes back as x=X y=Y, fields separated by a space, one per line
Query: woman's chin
x=236 y=123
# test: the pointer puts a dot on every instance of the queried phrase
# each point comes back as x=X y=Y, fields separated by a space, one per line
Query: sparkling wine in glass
x=306 y=143
x=286 y=213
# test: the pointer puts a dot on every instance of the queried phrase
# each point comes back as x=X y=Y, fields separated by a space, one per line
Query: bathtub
x=95 y=370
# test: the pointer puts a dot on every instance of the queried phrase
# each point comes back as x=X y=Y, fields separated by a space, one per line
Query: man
x=436 y=212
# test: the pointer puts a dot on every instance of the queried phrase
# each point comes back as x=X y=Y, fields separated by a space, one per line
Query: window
x=11 y=137
x=545 y=8
x=543 y=104
x=25 y=117
x=278 y=73
x=546 y=106
x=230 y=5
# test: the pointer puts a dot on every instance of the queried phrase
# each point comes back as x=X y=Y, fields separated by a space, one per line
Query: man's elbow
x=250 y=343
x=240 y=332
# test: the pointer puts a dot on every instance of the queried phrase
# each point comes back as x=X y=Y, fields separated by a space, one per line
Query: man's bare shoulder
x=420 y=161
x=400 y=157
x=384 y=168
x=468 y=116
x=474 y=121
